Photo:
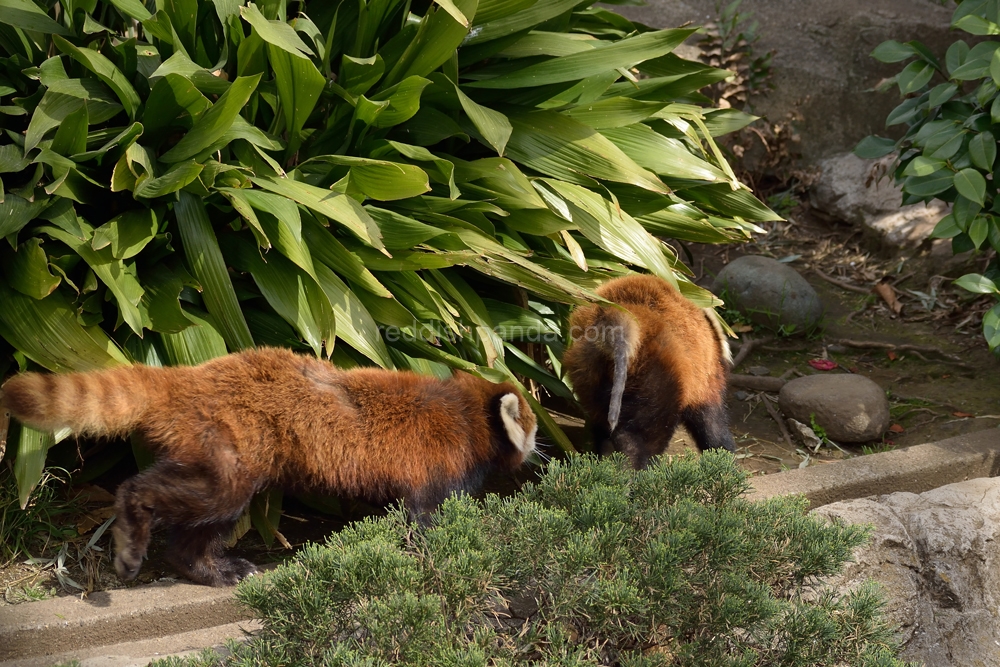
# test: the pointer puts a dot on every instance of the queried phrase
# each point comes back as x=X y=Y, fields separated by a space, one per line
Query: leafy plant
x=594 y=565
x=415 y=185
x=47 y=520
x=951 y=113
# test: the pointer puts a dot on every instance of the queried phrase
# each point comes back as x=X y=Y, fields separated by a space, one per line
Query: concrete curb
x=107 y=618
x=915 y=469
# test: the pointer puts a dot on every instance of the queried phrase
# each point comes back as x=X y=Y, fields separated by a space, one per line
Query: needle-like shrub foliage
x=593 y=565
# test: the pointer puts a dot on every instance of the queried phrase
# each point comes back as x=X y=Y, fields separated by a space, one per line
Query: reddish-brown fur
x=230 y=427
x=676 y=368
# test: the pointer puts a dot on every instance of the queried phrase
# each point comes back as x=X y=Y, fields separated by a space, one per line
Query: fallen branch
x=777 y=418
x=841 y=284
x=904 y=347
x=756 y=383
x=745 y=349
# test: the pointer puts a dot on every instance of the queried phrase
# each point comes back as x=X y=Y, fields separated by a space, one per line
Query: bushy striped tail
x=617 y=333
x=97 y=403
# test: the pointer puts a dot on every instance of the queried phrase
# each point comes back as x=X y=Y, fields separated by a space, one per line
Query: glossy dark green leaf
x=27 y=15
x=971 y=185
x=983 y=150
x=215 y=122
x=28 y=271
x=106 y=71
x=872 y=147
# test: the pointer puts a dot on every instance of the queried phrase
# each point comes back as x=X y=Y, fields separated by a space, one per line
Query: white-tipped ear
x=510 y=412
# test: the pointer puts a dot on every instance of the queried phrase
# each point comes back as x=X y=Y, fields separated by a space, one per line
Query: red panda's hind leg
x=199 y=502
x=709 y=426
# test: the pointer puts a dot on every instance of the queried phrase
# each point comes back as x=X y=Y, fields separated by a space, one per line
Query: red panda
x=641 y=369
x=226 y=429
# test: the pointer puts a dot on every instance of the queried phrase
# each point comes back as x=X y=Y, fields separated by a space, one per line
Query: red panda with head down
x=641 y=369
x=226 y=429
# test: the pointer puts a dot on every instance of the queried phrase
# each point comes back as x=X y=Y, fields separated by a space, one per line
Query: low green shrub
x=593 y=565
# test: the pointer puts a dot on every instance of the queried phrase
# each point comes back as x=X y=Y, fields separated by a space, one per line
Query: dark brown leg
x=709 y=426
x=199 y=501
x=197 y=553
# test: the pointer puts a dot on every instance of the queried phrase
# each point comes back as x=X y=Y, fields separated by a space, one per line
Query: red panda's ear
x=510 y=415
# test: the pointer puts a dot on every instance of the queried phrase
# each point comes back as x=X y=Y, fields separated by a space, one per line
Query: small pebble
x=836 y=349
x=740 y=395
x=759 y=370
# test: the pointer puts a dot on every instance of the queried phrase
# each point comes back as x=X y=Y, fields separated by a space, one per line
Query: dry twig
x=903 y=347
x=745 y=349
x=777 y=418
x=841 y=284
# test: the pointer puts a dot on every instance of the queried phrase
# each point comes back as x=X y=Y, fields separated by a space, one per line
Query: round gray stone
x=770 y=293
x=850 y=408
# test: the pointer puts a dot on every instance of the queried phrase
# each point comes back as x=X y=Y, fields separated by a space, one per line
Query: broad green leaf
x=105 y=71
x=612 y=229
x=545 y=43
x=333 y=205
x=492 y=125
x=400 y=231
x=456 y=13
x=662 y=155
x=613 y=112
x=927 y=186
x=288 y=289
x=978 y=231
x=737 y=203
x=941 y=93
x=51 y=111
x=977 y=25
x=872 y=147
x=561 y=147
x=127 y=233
x=355 y=324
x=991 y=327
x=215 y=122
x=119 y=277
x=971 y=185
x=26 y=15
x=48 y=333
x=28 y=271
x=299 y=86
x=983 y=150
x=183 y=66
x=173 y=96
x=381 y=179
x=71 y=137
x=623 y=54
x=163 y=284
x=438 y=35
x=196 y=344
x=946 y=228
x=176 y=178
x=358 y=75
x=403 y=99
x=276 y=33
x=32 y=448
x=201 y=247
x=16 y=212
x=531 y=15
x=133 y=8
x=325 y=248
x=923 y=166
x=978 y=284
x=893 y=52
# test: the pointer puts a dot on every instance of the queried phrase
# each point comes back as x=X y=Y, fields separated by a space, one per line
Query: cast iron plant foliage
x=397 y=183
x=951 y=112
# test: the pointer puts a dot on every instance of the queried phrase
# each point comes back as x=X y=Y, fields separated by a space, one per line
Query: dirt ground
x=947 y=389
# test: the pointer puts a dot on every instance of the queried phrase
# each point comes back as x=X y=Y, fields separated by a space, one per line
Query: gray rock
x=770 y=293
x=759 y=370
x=850 y=408
x=937 y=557
x=805 y=434
x=841 y=192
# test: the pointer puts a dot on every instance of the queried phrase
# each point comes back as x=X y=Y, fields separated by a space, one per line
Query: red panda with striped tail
x=233 y=426
x=641 y=369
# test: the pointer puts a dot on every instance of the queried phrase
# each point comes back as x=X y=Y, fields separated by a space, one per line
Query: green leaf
x=29 y=273
x=201 y=247
x=971 y=185
x=983 y=150
x=299 y=86
x=893 y=52
x=71 y=137
x=325 y=248
x=276 y=33
x=927 y=186
x=991 y=327
x=976 y=25
x=923 y=166
x=625 y=53
x=355 y=324
x=215 y=122
x=32 y=448
x=494 y=127
x=105 y=71
x=456 y=13
x=438 y=35
x=127 y=233
x=48 y=333
x=16 y=212
x=176 y=178
x=533 y=14
x=914 y=77
x=26 y=15
x=133 y=8
x=163 y=284
x=333 y=205
x=197 y=343
x=978 y=284
x=873 y=146
x=403 y=99
x=946 y=228
x=978 y=231
x=662 y=155
x=561 y=147
x=381 y=179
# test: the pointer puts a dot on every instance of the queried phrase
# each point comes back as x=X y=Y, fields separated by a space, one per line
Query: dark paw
x=127 y=566
x=240 y=568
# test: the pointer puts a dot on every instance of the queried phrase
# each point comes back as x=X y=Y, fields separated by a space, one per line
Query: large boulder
x=937 y=557
x=846 y=191
x=770 y=293
x=849 y=408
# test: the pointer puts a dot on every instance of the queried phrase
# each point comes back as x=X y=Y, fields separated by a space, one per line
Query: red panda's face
x=519 y=423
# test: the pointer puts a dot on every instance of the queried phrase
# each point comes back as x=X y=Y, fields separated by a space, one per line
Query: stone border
x=915 y=469
x=133 y=626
